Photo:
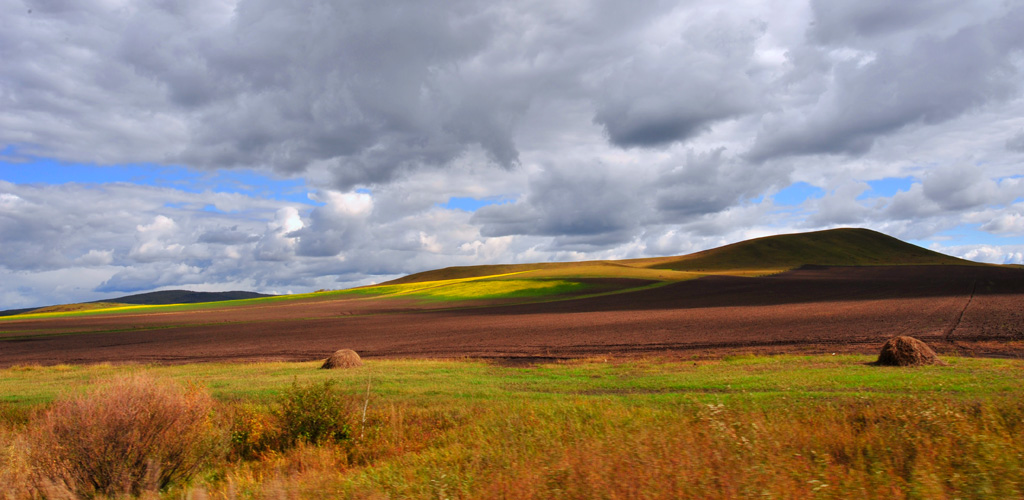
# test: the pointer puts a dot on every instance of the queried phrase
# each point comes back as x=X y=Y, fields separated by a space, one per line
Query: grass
x=484 y=287
x=418 y=381
x=740 y=427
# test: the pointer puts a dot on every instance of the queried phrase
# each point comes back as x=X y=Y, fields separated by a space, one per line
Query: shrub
x=254 y=431
x=133 y=434
x=315 y=413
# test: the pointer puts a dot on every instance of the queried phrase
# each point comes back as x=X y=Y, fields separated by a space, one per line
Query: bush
x=134 y=434
x=315 y=413
x=254 y=431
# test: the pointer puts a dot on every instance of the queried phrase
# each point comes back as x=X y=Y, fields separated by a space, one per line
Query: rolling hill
x=833 y=247
x=554 y=280
x=183 y=297
x=767 y=255
x=151 y=298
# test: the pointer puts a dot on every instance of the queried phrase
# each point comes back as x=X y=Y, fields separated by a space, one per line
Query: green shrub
x=315 y=413
x=134 y=434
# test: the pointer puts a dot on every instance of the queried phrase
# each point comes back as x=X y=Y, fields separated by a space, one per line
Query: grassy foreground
x=744 y=427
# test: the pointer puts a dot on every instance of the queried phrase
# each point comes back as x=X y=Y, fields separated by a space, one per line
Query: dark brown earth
x=971 y=310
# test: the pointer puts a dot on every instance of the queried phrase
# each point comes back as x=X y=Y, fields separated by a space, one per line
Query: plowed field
x=970 y=310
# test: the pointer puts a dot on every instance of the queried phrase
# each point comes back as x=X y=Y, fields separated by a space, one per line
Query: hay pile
x=907 y=351
x=343 y=358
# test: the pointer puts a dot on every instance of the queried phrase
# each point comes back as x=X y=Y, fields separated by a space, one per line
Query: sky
x=286 y=147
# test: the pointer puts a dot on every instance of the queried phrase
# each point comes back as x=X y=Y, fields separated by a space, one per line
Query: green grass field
x=741 y=427
x=754 y=378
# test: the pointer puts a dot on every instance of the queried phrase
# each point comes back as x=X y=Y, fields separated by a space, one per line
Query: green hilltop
x=833 y=247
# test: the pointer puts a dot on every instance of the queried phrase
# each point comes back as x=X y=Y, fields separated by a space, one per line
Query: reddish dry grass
x=135 y=434
x=879 y=450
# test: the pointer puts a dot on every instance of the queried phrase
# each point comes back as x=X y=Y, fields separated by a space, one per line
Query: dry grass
x=343 y=358
x=906 y=351
x=132 y=435
x=934 y=449
x=607 y=430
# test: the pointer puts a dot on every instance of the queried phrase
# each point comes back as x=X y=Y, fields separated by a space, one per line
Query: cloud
x=374 y=89
x=1016 y=143
x=840 y=21
x=1007 y=221
x=675 y=90
x=616 y=130
x=582 y=206
x=96 y=258
x=366 y=92
x=338 y=225
x=879 y=89
x=987 y=253
x=701 y=183
x=137 y=279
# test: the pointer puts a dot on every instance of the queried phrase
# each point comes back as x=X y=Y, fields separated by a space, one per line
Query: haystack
x=907 y=351
x=343 y=358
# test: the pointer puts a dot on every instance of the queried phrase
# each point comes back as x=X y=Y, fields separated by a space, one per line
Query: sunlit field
x=739 y=427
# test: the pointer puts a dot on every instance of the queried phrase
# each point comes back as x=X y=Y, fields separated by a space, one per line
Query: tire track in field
x=948 y=336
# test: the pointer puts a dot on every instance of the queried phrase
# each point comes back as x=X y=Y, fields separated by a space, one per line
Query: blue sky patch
x=971 y=234
x=467 y=204
x=23 y=169
x=797 y=193
x=887 y=187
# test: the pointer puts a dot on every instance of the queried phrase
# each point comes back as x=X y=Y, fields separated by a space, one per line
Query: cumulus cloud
x=338 y=225
x=987 y=253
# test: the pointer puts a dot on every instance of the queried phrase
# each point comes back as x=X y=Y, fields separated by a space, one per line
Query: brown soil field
x=969 y=310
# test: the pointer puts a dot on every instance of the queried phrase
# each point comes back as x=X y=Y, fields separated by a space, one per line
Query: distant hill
x=182 y=297
x=13 y=312
x=756 y=257
x=145 y=299
x=833 y=247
